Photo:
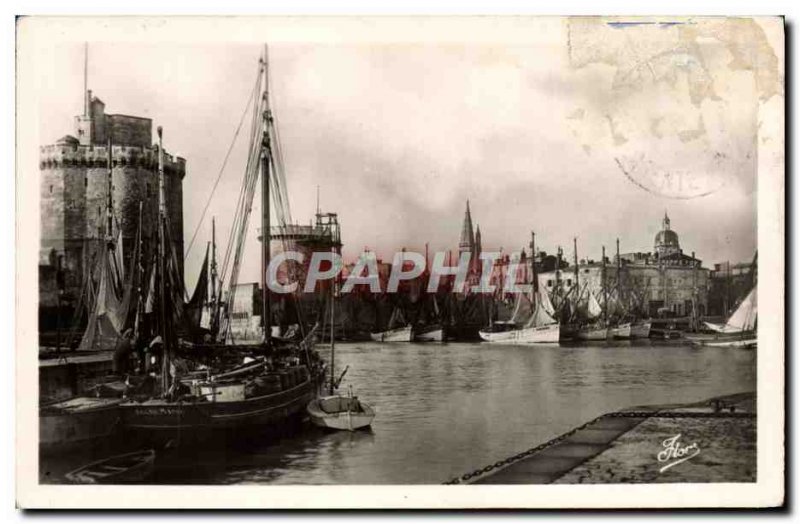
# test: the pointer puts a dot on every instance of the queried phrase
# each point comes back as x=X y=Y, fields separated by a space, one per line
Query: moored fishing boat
x=532 y=321
x=593 y=332
x=396 y=331
x=623 y=330
x=641 y=329
x=739 y=331
x=78 y=421
x=260 y=386
x=403 y=334
x=547 y=334
x=121 y=469
x=433 y=333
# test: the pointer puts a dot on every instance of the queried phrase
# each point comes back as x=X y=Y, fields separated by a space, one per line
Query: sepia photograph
x=421 y=256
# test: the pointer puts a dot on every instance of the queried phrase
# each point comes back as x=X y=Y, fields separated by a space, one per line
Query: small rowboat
x=340 y=412
x=121 y=469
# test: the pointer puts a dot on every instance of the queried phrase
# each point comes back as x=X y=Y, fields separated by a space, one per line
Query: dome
x=668 y=238
x=67 y=140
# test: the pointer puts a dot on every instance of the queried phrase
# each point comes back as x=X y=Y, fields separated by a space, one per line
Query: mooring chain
x=617 y=414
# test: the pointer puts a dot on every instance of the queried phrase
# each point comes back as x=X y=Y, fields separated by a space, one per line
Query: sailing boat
x=740 y=330
x=597 y=329
x=539 y=328
x=395 y=334
x=261 y=389
x=336 y=411
x=431 y=331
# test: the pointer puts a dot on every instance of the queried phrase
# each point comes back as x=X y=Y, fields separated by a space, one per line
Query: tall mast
x=213 y=260
x=140 y=275
x=575 y=254
x=619 y=276
x=110 y=199
x=162 y=266
x=265 y=225
x=535 y=286
x=605 y=289
x=695 y=313
x=559 y=253
x=333 y=327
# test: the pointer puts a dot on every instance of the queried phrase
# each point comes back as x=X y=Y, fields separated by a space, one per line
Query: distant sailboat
x=594 y=331
x=740 y=330
x=540 y=326
x=395 y=334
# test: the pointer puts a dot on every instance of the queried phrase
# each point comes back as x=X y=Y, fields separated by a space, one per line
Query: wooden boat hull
x=729 y=340
x=78 y=421
x=394 y=335
x=122 y=469
x=434 y=335
x=340 y=420
x=621 y=331
x=593 y=333
x=162 y=418
x=640 y=330
x=568 y=332
x=533 y=335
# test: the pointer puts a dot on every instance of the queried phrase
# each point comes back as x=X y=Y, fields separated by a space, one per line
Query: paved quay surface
x=716 y=442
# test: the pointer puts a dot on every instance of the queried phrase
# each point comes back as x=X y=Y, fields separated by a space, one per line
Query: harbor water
x=446 y=409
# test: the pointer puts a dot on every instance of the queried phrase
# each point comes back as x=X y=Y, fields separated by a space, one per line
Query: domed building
x=666 y=243
x=662 y=282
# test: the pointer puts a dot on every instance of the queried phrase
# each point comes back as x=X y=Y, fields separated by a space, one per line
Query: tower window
x=51 y=189
x=85 y=181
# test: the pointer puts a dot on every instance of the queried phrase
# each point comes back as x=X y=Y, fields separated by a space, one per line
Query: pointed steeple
x=467 y=242
x=665 y=223
x=478 y=247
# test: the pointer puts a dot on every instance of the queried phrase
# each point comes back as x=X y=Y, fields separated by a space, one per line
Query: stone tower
x=74 y=190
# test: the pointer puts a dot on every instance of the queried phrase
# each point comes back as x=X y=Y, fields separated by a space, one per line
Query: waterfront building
x=663 y=280
x=729 y=283
x=78 y=174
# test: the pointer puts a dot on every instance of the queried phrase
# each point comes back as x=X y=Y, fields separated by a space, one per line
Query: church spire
x=665 y=223
x=467 y=242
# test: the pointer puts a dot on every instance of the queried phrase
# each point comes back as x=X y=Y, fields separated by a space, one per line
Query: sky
x=556 y=134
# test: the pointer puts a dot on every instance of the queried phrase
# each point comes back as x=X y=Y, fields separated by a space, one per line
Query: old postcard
x=483 y=262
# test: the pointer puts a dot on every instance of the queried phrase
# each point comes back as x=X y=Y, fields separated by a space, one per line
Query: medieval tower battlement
x=74 y=195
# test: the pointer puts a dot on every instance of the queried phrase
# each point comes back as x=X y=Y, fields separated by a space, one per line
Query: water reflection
x=444 y=409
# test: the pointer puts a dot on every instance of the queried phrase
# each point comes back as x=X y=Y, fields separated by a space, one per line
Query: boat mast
x=265 y=225
x=575 y=255
x=535 y=286
x=557 y=292
x=605 y=288
x=162 y=267
x=140 y=278
x=333 y=350
x=213 y=309
x=619 y=277
x=110 y=199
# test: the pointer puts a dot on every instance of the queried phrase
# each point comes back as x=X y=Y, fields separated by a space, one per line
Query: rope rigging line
x=221 y=171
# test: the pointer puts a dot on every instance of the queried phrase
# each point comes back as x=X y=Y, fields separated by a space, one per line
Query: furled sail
x=194 y=309
x=109 y=313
